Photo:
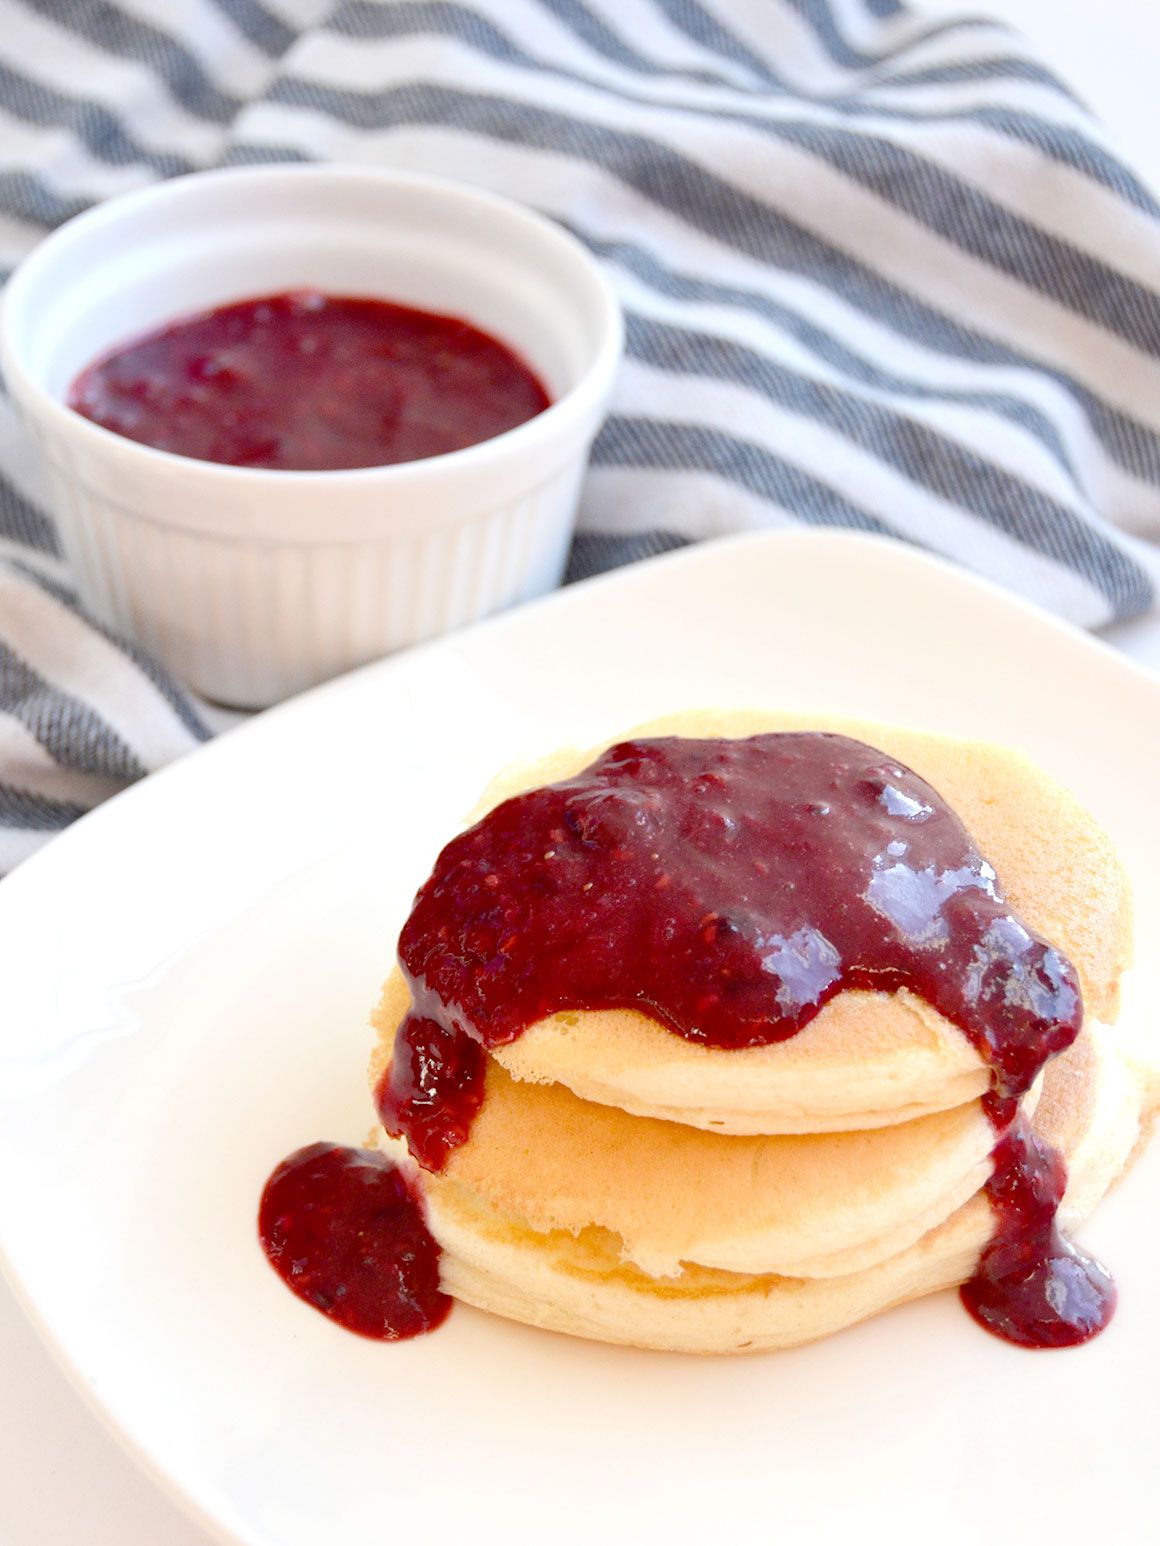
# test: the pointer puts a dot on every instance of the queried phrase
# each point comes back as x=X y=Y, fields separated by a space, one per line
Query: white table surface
x=63 y=1477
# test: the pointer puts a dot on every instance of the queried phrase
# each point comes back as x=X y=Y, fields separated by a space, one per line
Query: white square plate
x=183 y=1000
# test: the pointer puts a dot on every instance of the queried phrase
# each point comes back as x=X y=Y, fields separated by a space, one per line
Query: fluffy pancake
x=867 y=1059
x=1090 y=1110
x=814 y=1204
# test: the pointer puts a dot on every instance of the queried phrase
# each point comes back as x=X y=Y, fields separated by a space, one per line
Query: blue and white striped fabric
x=878 y=273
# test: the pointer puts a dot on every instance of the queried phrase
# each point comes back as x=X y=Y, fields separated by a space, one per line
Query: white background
x=62 y=1478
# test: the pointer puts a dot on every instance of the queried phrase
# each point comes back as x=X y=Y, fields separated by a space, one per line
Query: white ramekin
x=251 y=585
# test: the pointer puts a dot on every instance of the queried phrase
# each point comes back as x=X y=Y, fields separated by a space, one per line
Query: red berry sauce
x=433 y=1089
x=730 y=889
x=307 y=382
x=345 y=1230
x=1032 y=1286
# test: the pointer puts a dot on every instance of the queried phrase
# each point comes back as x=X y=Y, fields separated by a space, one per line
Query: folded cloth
x=878 y=272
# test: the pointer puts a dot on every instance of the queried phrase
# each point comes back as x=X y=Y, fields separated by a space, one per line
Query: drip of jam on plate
x=307 y=382
x=345 y=1230
x=1033 y=1286
x=729 y=889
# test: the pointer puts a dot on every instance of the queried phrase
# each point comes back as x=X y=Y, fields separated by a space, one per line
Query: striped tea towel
x=878 y=273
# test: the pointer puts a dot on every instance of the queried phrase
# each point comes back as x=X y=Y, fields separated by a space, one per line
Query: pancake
x=817 y=1203
x=1091 y=1110
x=867 y=1059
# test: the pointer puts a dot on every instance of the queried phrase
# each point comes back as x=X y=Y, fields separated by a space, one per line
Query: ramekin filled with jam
x=297 y=417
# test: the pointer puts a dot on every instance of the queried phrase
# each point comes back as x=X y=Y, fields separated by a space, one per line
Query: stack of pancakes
x=624 y=1183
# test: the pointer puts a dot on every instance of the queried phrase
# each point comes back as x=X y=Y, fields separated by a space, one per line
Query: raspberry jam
x=306 y=382
x=1031 y=1285
x=344 y=1229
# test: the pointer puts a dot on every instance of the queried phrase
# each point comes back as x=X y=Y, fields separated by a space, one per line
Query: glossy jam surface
x=729 y=889
x=309 y=382
x=344 y=1229
x=433 y=1089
